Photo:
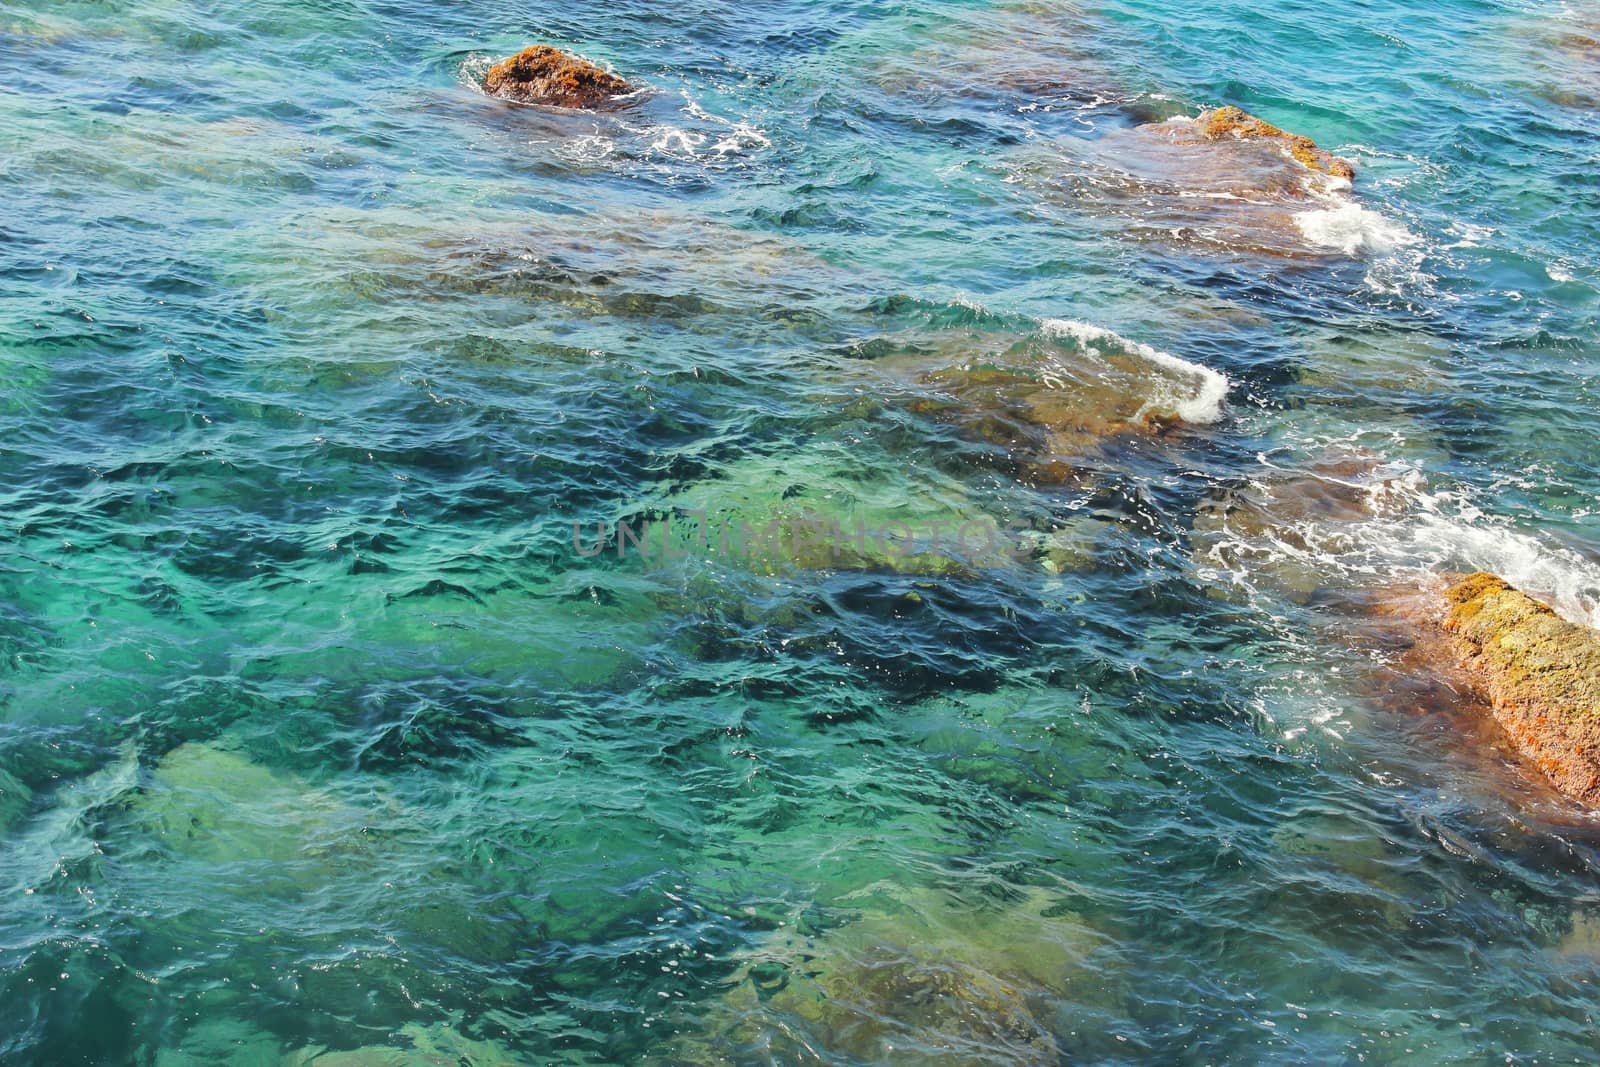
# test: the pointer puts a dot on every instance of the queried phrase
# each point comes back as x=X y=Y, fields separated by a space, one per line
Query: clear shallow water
x=320 y=735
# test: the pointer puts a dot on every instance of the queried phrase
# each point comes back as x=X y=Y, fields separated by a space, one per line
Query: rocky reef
x=1235 y=123
x=1224 y=182
x=545 y=75
x=1539 y=672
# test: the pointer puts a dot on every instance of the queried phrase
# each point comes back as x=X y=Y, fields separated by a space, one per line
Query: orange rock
x=1540 y=673
x=1236 y=123
x=545 y=75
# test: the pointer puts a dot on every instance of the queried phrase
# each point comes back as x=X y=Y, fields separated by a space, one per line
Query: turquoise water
x=324 y=740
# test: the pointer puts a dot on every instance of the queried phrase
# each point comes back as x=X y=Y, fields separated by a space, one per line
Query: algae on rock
x=920 y=979
x=1541 y=674
x=1233 y=122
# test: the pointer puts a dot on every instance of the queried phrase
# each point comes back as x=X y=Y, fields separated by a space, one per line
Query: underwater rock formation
x=1224 y=182
x=1540 y=673
x=423 y=1045
x=251 y=828
x=1237 y=124
x=813 y=509
x=545 y=75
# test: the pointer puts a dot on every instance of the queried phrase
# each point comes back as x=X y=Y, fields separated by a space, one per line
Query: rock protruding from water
x=1540 y=672
x=1236 y=123
x=1041 y=403
x=545 y=75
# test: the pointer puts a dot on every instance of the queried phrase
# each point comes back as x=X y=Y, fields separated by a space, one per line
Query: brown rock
x=545 y=75
x=1225 y=122
x=1541 y=674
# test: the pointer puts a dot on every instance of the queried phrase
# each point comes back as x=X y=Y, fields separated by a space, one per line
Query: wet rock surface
x=1290 y=528
x=545 y=75
x=919 y=982
x=1224 y=182
x=1225 y=123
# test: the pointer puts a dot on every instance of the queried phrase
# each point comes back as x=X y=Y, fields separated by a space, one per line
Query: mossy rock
x=1041 y=403
x=250 y=827
x=820 y=510
x=1021 y=743
x=922 y=979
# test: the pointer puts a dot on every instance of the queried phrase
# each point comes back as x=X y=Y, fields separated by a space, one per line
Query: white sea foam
x=1351 y=228
x=1454 y=534
x=1413 y=534
x=675 y=141
x=1204 y=404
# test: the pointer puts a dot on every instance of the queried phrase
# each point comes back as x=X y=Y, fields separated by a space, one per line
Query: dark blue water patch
x=24 y=635
x=106 y=988
x=164 y=95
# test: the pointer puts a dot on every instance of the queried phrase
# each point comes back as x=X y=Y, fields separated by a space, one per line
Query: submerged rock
x=1043 y=403
x=1293 y=529
x=821 y=508
x=1223 y=182
x=1540 y=673
x=918 y=980
x=225 y=1040
x=545 y=75
x=252 y=830
x=1237 y=124
x=416 y=1046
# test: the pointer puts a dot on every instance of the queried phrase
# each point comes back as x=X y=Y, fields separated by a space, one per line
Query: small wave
x=675 y=141
x=1205 y=405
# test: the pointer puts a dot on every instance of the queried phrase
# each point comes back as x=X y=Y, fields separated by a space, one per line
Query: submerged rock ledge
x=545 y=75
x=1540 y=673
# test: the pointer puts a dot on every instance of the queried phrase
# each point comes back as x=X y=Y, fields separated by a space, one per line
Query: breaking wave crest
x=1197 y=393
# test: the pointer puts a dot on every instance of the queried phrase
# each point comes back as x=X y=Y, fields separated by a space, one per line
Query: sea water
x=331 y=733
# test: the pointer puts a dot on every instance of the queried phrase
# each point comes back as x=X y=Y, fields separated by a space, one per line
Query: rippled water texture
x=324 y=740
